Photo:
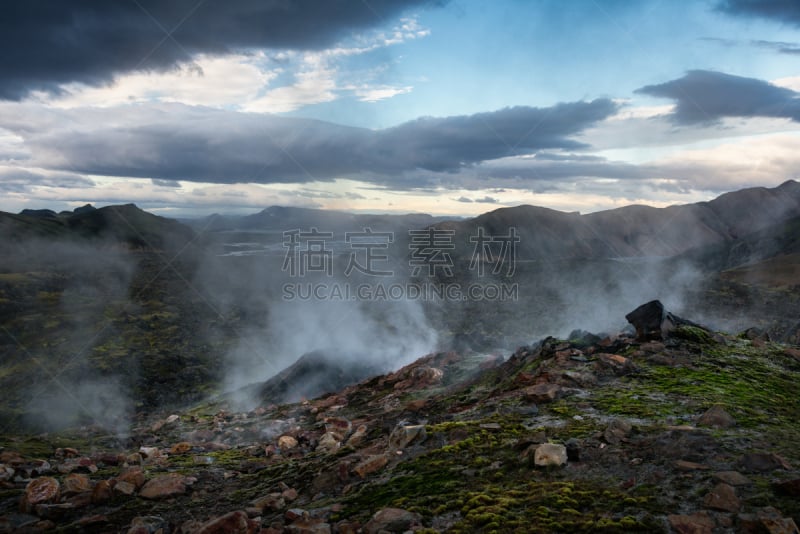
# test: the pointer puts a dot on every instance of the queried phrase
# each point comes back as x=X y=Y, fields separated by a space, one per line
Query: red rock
x=696 y=523
x=80 y=500
x=620 y=365
x=763 y=462
x=722 y=497
x=734 y=478
x=76 y=483
x=542 y=393
x=308 y=526
x=93 y=521
x=793 y=353
x=338 y=426
x=391 y=520
x=683 y=465
x=289 y=494
x=232 y=523
x=11 y=458
x=181 y=448
x=164 y=486
x=133 y=476
x=371 y=465
x=774 y=523
x=124 y=488
x=101 y=492
x=273 y=501
x=294 y=514
x=42 y=490
x=287 y=443
x=347 y=527
x=416 y=405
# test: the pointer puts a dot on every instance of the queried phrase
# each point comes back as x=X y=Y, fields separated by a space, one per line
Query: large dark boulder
x=652 y=321
x=314 y=374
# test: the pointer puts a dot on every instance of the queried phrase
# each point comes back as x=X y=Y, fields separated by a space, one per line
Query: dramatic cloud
x=47 y=44
x=176 y=142
x=785 y=11
x=16 y=180
x=707 y=96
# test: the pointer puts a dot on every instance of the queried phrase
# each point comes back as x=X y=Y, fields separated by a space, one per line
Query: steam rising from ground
x=598 y=302
x=102 y=402
x=380 y=337
x=69 y=285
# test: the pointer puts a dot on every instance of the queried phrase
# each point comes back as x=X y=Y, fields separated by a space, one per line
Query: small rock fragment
x=402 y=436
x=231 y=523
x=548 y=454
x=371 y=465
x=391 y=520
x=722 y=497
x=573 y=450
x=542 y=393
x=716 y=417
x=164 y=486
x=759 y=461
x=273 y=501
x=287 y=443
x=328 y=442
x=616 y=431
x=696 y=523
x=76 y=483
x=734 y=478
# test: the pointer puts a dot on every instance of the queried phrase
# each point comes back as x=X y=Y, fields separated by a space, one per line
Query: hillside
x=694 y=432
x=638 y=231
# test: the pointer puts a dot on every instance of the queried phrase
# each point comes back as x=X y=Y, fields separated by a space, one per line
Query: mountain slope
x=691 y=433
x=636 y=231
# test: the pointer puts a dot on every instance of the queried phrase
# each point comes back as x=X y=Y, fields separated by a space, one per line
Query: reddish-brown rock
x=696 y=523
x=722 y=497
x=164 y=486
x=232 y=523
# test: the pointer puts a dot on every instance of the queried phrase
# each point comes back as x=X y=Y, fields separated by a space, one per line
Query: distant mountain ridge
x=125 y=224
x=281 y=218
x=545 y=234
x=638 y=231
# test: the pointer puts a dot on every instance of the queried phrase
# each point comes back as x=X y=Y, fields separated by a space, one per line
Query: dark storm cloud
x=177 y=142
x=47 y=43
x=707 y=96
x=443 y=144
x=785 y=11
x=14 y=180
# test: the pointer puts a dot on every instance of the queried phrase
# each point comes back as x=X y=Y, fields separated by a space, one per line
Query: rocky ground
x=677 y=430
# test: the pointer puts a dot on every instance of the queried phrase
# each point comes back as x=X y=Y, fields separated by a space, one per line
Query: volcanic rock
x=164 y=486
x=653 y=322
x=391 y=520
x=548 y=454
x=716 y=417
x=722 y=497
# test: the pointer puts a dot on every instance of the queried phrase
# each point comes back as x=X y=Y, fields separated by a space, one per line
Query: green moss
x=694 y=334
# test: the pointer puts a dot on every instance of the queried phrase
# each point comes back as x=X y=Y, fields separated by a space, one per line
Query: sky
x=193 y=107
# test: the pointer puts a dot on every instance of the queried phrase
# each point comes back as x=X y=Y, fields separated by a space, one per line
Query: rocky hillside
x=678 y=430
